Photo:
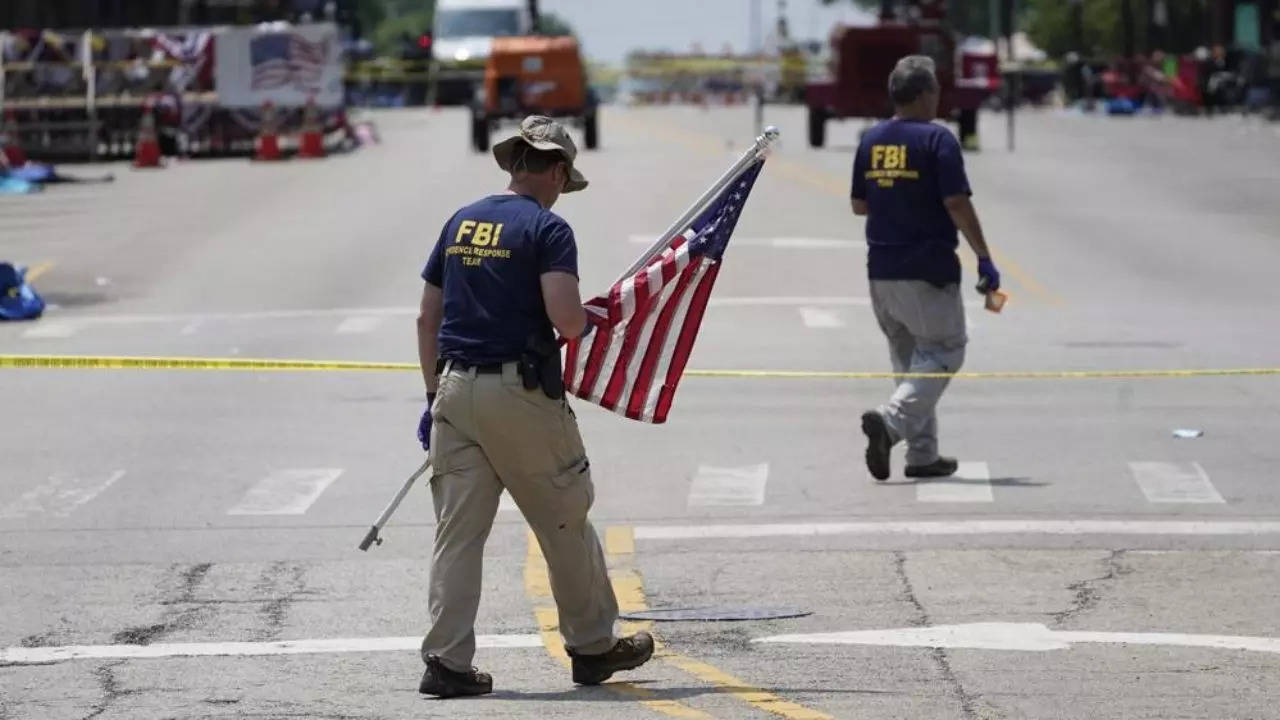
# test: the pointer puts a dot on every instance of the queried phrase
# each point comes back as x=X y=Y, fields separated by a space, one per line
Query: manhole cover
x=716 y=614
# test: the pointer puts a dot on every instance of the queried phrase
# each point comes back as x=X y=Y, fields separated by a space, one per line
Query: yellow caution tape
x=996 y=375
x=85 y=362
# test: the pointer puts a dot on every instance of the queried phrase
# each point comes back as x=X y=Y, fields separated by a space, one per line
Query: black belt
x=482 y=369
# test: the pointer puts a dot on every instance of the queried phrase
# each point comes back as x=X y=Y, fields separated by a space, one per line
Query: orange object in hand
x=995 y=301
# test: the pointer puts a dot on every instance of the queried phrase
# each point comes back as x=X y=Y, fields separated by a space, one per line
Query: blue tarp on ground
x=34 y=173
x=18 y=300
x=10 y=185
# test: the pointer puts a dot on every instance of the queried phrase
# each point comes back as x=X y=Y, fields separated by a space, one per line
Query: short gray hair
x=912 y=77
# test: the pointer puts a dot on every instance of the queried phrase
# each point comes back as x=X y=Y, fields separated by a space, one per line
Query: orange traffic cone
x=267 y=146
x=312 y=144
x=9 y=142
x=147 y=152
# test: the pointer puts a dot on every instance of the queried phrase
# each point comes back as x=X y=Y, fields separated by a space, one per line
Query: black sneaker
x=442 y=682
x=942 y=467
x=878 y=444
x=627 y=654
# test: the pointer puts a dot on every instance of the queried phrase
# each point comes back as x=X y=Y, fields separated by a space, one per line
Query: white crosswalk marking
x=286 y=492
x=815 y=317
x=804 y=243
x=1165 y=482
x=358 y=325
x=729 y=486
x=970 y=484
x=45 y=329
x=506 y=504
x=59 y=496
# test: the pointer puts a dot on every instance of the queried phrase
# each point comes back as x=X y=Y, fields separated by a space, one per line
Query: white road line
x=786 y=243
x=790 y=301
x=59 y=496
x=76 y=322
x=358 y=325
x=22 y=655
x=803 y=243
x=819 y=318
x=286 y=492
x=44 y=329
x=798 y=301
x=1021 y=637
x=714 y=486
x=1166 y=482
x=970 y=484
x=963 y=527
x=970 y=320
x=144 y=318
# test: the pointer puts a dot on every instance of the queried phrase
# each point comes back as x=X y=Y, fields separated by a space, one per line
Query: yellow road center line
x=753 y=696
x=34 y=272
x=1025 y=278
x=619 y=540
x=537 y=584
x=84 y=362
x=628 y=586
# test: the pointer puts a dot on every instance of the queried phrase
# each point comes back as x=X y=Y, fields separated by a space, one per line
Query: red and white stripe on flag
x=644 y=330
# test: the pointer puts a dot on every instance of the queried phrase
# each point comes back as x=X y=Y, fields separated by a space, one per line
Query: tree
x=552 y=24
x=971 y=17
x=1049 y=25
x=390 y=35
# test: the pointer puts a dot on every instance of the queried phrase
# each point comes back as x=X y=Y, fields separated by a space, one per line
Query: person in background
x=909 y=182
x=1254 y=71
x=1273 y=77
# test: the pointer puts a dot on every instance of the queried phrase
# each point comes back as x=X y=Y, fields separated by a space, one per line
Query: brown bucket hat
x=542 y=133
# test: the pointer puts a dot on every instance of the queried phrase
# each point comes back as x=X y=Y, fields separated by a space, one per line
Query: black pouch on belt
x=540 y=367
x=528 y=368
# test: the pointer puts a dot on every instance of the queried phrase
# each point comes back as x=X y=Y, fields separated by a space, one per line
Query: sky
x=609 y=29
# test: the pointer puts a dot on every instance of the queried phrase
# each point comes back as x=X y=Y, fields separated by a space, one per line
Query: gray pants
x=926 y=331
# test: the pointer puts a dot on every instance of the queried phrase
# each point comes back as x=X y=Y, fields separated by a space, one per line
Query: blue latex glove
x=424 y=425
x=988 y=276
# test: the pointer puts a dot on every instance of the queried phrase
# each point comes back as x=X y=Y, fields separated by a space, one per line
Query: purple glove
x=988 y=276
x=424 y=425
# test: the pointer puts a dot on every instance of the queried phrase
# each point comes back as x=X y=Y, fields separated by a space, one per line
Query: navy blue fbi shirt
x=903 y=170
x=488 y=263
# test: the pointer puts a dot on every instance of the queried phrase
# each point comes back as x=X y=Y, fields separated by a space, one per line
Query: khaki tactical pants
x=490 y=433
x=926 y=330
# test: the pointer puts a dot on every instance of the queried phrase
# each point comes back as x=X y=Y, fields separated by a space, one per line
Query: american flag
x=281 y=59
x=193 y=51
x=643 y=329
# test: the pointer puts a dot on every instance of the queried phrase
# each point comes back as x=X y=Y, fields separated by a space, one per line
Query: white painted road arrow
x=42 y=655
x=1020 y=636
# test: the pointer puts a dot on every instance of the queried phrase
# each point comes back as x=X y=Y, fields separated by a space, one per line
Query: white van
x=464 y=29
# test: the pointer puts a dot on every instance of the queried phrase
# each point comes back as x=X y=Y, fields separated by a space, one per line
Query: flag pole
x=754 y=153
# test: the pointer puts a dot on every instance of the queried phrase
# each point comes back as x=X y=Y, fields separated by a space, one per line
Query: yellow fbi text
x=476 y=241
x=889 y=163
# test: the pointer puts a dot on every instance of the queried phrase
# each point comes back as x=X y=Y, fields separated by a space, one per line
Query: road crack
x=282 y=582
x=111 y=692
x=189 y=581
x=44 y=639
x=1086 y=591
x=968 y=701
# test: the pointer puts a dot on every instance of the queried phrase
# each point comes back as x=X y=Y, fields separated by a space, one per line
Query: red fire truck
x=862 y=58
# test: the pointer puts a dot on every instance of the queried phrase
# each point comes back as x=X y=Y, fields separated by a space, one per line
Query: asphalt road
x=1088 y=564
